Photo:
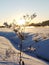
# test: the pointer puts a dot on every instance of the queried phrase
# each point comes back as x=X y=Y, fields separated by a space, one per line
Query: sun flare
x=21 y=22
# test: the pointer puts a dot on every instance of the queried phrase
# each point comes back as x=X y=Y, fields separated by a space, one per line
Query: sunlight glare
x=21 y=22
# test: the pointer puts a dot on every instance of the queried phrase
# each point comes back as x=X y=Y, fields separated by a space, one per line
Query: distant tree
x=44 y=23
x=6 y=25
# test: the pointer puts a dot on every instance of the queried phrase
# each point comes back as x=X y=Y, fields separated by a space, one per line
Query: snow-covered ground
x=35 y=46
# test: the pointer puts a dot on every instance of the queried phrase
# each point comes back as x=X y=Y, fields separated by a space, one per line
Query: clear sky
x=14 y=9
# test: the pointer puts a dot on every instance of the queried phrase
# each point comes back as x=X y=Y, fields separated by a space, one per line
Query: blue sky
x=14 y=9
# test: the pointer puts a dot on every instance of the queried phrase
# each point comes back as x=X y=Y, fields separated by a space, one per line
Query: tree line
x=44 y=23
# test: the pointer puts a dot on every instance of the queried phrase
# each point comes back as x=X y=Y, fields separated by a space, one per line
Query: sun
x=21 y=22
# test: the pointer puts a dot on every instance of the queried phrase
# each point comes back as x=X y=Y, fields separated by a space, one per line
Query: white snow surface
x=38 y=38
x=13 y=60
